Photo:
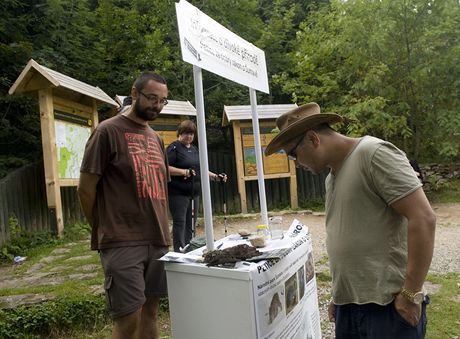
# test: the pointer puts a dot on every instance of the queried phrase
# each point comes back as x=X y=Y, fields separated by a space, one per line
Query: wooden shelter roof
x=264 y=112
x=174 y=107
x=35 y=77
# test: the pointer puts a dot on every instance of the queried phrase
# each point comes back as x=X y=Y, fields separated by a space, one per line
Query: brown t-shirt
x=132 y=194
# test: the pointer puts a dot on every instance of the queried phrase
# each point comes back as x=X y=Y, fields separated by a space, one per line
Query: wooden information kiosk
x=276 y=165
x=68 y=114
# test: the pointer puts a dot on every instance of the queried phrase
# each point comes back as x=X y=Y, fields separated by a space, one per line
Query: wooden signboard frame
x=273 y=169
x=74 y=105
x=48 y=104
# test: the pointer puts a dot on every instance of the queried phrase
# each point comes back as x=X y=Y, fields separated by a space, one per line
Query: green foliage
x=22 y=241
x=313 y=204
x=323 y=277
x=60 y=314
x=388 y=65
x=164 y=304
x=436 y=183
x=77 y=231
x=443 y=192
x=396 y=76
x=19 y=133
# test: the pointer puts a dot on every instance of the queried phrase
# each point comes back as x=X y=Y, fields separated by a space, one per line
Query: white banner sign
x=209 y=45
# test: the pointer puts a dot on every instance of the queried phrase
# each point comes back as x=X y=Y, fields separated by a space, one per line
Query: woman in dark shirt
x=184 y=168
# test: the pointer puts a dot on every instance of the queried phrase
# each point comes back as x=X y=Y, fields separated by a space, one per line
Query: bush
x=21 y=241
x=53 y=316
x=77 y=231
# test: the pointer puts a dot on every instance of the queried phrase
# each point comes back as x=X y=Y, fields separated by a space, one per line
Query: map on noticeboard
x=72 y=133
x=273 y=164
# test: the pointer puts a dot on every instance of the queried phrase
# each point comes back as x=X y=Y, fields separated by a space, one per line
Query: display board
x=166 y=127
x=72 y=133
x=273 y=164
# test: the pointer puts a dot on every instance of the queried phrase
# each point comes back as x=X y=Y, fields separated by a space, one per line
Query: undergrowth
x=55 y=318
x=59 y=314
x=21 y=241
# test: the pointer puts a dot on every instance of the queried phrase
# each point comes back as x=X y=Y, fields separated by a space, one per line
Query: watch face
x=418 y=297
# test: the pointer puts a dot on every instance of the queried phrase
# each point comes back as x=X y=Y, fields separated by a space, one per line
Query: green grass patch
x=448 y=192
x=444 y=308
x=323 y=277
x=69 y=287
x=323 y=261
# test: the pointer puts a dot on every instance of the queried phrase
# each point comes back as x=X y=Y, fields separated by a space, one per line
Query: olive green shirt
x=366 y=238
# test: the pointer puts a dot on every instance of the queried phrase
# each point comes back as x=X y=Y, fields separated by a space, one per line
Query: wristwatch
x=414 y=297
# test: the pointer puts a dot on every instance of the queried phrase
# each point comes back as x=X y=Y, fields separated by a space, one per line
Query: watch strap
x=411 y=296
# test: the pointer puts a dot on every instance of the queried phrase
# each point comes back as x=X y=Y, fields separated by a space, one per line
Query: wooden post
x=94 y=116
x=53 y=191
x=240 y=165
x=293 y=185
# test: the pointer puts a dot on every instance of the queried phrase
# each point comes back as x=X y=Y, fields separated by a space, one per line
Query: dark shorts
x=131 y=275
x=374 y=321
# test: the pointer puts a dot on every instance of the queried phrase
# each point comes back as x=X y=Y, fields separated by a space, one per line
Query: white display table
x=254 y=300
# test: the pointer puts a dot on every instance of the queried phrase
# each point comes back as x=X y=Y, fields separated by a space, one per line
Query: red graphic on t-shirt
x=149 y=166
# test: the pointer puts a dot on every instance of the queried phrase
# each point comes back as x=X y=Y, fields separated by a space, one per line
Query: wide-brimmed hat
x=294 y=123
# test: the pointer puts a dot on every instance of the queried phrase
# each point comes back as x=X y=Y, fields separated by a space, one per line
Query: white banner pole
x=203 y=152
x=258 y=151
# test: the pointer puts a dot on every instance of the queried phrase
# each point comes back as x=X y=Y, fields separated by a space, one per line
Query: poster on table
x=285 y=293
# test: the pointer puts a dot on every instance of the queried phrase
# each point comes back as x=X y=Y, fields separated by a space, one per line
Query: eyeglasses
x=154 y=98
x=292 y=155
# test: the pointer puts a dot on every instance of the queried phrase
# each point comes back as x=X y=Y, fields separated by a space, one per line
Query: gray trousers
x=180 y=207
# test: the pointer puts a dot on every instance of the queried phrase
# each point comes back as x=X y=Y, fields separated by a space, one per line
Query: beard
x=145 y=113
x=305 y=168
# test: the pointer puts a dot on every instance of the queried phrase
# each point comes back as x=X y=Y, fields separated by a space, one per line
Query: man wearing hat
x=379 y=224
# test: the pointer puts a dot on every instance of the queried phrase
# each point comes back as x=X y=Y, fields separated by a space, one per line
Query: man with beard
x=123 y=193
x=379 y=224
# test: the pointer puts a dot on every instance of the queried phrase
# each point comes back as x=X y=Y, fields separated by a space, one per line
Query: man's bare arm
x=420 y=245
x=420 y=236
x=87 y=193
